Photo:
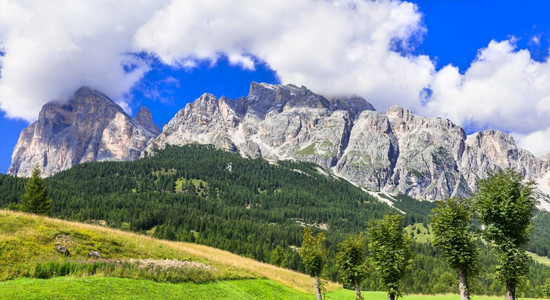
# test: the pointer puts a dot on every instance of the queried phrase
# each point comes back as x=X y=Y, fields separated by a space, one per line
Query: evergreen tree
x=451 y=224
x=506 y=209
x=278 y=256
x=351 y=261
x=390 y=251
x=36 y=200
x=314 y=255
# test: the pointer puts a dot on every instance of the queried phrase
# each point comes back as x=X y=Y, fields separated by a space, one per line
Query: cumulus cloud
x=504 y=88
x=53 y=47
x=337 y=47
x=333 y=47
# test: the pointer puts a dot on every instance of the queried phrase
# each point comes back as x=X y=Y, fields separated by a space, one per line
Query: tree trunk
x=463 y=285
x=391 y=296
x=510 y=291
x=358 y=292
x=318 y=289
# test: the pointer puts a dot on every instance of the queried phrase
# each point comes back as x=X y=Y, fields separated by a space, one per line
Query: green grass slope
x=26 y=240
x=122 y=288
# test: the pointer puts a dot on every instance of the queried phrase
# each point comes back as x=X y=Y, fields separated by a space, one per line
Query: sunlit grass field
x=28 y=240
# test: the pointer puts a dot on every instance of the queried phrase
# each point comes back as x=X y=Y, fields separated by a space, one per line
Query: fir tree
x=36 y=200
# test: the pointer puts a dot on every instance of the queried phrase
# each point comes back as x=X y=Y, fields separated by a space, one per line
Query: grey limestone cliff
x=396 y=151
x=88 y=127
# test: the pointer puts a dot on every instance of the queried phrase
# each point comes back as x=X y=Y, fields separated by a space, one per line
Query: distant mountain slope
x=88 y=127
x=393 y=152
x=206 y=195
x=398 y=152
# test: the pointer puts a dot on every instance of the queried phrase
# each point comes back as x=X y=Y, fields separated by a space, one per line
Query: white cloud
x=504 y=88
x=333 y=47
x=536 y=142
x=54 y=47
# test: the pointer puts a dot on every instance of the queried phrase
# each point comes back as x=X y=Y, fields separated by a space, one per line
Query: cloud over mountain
x=49 y=49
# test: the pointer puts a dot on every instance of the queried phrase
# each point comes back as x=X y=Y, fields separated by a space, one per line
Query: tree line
x=504 y=207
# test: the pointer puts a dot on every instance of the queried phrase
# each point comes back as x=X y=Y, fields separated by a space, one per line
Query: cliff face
x=89 y=127
x=396 y=151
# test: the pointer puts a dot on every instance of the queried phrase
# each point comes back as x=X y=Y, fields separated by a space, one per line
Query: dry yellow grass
x=141 y=246
x=287 y=277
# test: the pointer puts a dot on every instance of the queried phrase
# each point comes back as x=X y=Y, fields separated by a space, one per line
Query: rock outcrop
x=88 y=127
x=429 y=158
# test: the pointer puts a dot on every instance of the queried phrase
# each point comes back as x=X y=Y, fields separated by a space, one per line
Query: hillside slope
x=28 y=239
x=250 y=207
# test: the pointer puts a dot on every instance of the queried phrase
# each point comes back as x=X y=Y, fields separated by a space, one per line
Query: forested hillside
x=250 y=207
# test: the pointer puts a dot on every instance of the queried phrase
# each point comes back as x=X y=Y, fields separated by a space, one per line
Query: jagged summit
x=145 y=119
x=395 y=152
x=87 y=127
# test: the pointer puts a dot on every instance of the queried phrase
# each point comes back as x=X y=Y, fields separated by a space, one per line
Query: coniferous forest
x=258 y=209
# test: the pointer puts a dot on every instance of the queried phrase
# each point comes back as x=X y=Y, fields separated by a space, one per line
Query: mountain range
x=392 y=152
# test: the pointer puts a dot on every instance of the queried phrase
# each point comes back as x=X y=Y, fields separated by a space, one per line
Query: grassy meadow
x=27 y=251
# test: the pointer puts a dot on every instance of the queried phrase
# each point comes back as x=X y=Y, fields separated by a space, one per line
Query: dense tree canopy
x=506 y=207
x=452 y=228
x=352 y=262
x=390 y=252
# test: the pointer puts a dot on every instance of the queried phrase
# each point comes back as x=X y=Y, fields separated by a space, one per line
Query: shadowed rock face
x=89 y=127
x=145 y=119
x=398 y=151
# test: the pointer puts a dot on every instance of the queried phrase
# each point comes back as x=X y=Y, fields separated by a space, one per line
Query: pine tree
x=36 y=200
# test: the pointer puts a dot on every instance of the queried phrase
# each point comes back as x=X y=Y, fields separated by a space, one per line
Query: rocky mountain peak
x=394 y=152
x=398 y=151
x=145 y=119
x=87 y=127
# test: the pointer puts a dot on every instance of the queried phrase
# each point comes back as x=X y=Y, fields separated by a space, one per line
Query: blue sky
x=388 y=52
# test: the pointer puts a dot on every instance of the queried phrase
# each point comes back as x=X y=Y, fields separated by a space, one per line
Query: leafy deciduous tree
x=390 y=252
x=36 y=200
x=451 y=225
x=506 y=207
x=314 y=255
x=352 y=263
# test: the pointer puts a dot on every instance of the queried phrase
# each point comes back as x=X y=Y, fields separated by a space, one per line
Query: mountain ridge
x=394 y=152
x=87 y=127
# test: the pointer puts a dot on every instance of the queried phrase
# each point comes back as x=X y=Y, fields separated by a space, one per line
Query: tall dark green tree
x=390 y=251
x=314 y=255
x=36 y=200
x=352 y=263
x=506 y=208
x=451 y=225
